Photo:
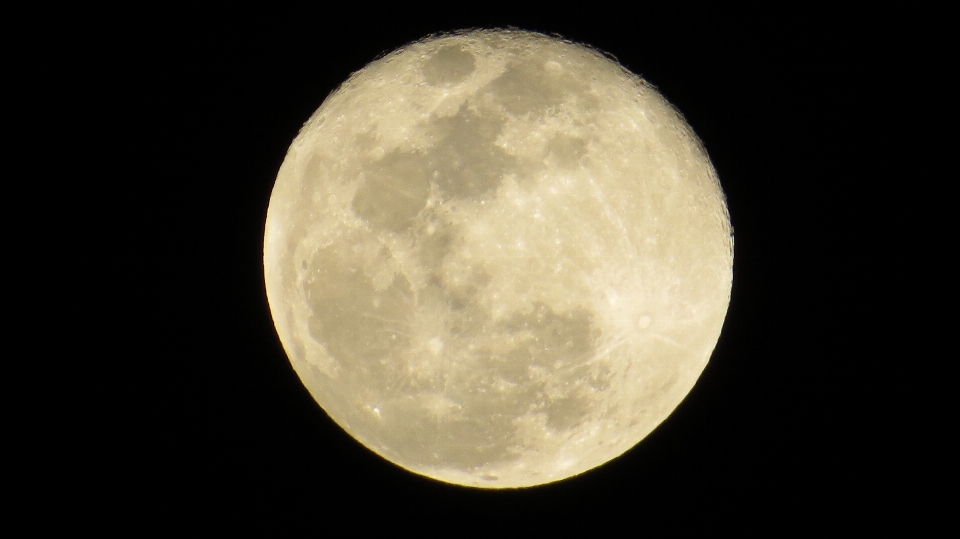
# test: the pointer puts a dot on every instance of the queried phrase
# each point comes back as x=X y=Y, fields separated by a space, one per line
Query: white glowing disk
x=497 y=259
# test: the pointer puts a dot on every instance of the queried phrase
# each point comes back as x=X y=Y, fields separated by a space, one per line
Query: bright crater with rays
x=497 y=259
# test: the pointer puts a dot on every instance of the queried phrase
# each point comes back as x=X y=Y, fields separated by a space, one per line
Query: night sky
x=228 y=415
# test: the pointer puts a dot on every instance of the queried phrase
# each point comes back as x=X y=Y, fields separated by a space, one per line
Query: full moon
x=497 y=258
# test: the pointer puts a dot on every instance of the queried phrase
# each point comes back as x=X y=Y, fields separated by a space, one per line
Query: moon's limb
x=497 y=259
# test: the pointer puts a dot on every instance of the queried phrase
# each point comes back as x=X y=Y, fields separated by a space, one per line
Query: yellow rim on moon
x=497 y=259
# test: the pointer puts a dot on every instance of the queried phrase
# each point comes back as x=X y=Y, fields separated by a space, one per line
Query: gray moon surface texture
x=497 y=259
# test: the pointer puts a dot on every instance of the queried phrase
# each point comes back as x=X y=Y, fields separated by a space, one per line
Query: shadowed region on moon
x=497 y=259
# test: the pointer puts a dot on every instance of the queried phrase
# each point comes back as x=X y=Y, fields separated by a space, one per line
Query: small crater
x=436 y=345
x=450 y=65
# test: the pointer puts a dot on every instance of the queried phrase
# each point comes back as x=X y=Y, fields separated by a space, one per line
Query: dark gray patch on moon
x=450 y=65
x=433 y=246
x=554 y=340
x=563 y=345
x=566 y=151
x=466 y=162
x=529 y=88
x=394 y=191
x=358 y=324
x=566 y=412
x=313 y=172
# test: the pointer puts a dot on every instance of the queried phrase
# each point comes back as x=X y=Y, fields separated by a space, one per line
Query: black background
x=222 y=415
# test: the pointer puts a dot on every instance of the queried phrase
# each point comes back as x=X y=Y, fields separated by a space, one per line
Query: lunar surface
x=497 y=259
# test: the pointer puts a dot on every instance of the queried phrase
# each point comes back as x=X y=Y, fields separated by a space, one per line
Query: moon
x=497 y=259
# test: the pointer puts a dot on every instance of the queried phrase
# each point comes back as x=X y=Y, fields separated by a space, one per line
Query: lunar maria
x=497 y=259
